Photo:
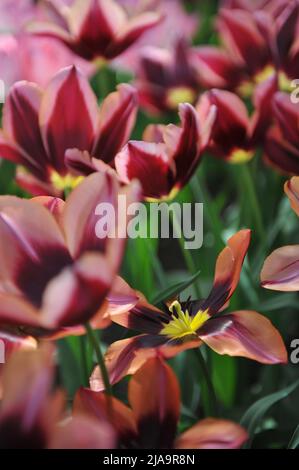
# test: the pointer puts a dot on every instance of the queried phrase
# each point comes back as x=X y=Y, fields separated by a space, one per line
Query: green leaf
x=294 y=442
x=173 y=290
x=224 y=375
x=255 y=413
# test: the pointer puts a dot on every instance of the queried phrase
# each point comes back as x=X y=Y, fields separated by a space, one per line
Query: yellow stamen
x=65 y=182
x=247 y=88
x=182 y=323
x=241 y=156
x=180 y=94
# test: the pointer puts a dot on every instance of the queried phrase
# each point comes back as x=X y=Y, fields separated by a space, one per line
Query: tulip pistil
x=182 y=323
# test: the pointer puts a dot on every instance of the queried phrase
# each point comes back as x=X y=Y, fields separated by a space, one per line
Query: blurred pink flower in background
x=176 y=24
x=24 y=57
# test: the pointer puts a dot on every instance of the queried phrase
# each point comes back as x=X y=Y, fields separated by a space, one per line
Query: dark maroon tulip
x=55 y=271
x=39 y=127
x=167 y=158
x=96 y=29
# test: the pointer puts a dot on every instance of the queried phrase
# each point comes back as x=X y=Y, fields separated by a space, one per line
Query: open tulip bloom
x=56 y=270
x=52 y=133
x=281 y=269
x=96 y=28
x=185 y=325
x=151 y=423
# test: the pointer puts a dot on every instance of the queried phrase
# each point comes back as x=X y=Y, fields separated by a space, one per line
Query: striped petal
x=68 y=115
x=281 y=269
x=21 y=125
x=247 y=334
x=227 y=271
x=117 y=119
x=32 y=246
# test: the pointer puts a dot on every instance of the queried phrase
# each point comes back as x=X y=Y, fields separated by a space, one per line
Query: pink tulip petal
x=212 y=434
x=247 y=334
x=281 y=269
x=157 y=416
x=117 y=119
x=68 y=116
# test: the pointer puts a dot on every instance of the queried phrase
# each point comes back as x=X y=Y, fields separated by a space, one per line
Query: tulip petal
x=68 y=115
x=32 y=246
x=212 y=434
x=262 y=117
x=227 y=271
x=79 y=215
x=247 y=334
x=80 y=163
x=27 y=414
x=149 y=163
x=240 y=32
x=94 y=24
x=281 y=269
x=126 y=357
x=95 y=405
x=143 y=317
x=16 y=311
x=131 y=32
x=33 y=185
x=287 y=115
x=55 y=205
x=280 y=153
x=291 y=189
x=230 y=130
x=82 y=289
x=117 y=119
x=20 y=123
x=157 y=416
x=121 y=298
x=184 y=144
x=83 y=433
x=216 y=68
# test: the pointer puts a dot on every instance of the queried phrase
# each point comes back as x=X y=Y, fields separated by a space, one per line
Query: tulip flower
x=258 y=43
x=39 y=127
x=235 y=134
x=167 y=77
x=282 y=140
x=56 y=268
x=167 y=158
x=31 y=414
x=151 y=423
x=27 y=57
x=95 y=29
x=186 y=325
x=176 y=24
x=281 y=269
